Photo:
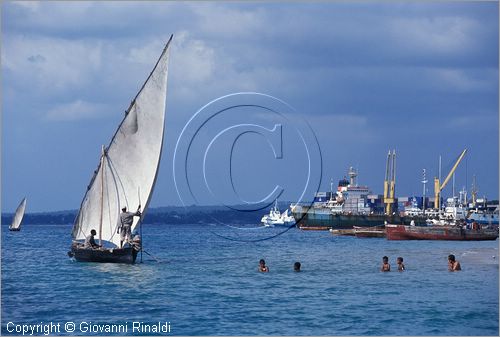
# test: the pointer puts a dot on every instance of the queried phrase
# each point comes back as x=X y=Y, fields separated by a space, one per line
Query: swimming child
x=262 y=266
x=453 y=265
x=401 y=265
x=385 y=264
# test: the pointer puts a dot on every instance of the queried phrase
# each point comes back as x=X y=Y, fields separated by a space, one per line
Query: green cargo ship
x=351 y=205
x=322 y=218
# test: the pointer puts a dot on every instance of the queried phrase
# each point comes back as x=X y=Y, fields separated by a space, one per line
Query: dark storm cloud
x=372 y=76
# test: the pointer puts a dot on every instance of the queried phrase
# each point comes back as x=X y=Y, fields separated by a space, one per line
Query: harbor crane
x=390 y=182
x=438 y=187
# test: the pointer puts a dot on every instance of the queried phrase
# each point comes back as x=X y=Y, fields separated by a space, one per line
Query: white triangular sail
x=18 y=216
x=128 y=168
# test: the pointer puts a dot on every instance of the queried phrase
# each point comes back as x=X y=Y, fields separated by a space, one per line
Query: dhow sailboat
x=18 y=217
x=126 y=174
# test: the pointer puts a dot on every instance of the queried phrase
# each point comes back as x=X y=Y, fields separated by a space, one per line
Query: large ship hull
x=324 y=219
x=401 y=232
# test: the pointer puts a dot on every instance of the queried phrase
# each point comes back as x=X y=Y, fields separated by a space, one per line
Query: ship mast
x=424 y=181
x=453 y=185
x=352 y=176
x=331 y=189
x=393 y=178
x=474 y=191
x=390 y=182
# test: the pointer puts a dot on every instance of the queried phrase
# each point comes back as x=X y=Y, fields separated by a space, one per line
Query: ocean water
x=202 y=284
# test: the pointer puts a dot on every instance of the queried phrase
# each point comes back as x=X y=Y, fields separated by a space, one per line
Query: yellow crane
x=438 y=187
x=390 y=182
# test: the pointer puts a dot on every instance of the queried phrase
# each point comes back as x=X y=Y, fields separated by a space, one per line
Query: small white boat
x=276 y=218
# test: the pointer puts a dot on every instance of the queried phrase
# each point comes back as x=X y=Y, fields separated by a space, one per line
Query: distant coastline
x=158 y=215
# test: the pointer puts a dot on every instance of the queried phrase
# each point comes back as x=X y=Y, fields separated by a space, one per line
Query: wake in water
x=240 y=228
x=269 y=237
x=480 y=256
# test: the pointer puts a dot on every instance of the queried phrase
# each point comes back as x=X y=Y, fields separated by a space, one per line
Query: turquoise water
x=207 y=285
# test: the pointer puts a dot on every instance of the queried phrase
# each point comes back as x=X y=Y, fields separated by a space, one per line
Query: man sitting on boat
x=125 y=223
x=90 y=241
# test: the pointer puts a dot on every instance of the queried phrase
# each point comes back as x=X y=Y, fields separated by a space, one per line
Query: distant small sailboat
x=276 y=218
x=126 y=173
x=18 y=217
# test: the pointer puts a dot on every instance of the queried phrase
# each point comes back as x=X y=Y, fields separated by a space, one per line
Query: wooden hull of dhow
x=342 y=232
x=116 y=255
x=401 y=232
x=369 y=234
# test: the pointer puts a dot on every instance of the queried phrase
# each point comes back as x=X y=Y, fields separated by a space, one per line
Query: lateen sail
x=127 y=172
x=18 y=216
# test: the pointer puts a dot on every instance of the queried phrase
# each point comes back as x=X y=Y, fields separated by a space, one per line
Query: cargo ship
x=324 y=218
x=354 y=205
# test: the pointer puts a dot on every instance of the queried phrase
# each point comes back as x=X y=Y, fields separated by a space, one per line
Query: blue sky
x=420 y=77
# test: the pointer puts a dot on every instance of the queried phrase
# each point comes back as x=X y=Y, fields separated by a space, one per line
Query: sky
x=357 y=79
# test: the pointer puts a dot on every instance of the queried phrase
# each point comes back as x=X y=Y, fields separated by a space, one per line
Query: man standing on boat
x=125 y=223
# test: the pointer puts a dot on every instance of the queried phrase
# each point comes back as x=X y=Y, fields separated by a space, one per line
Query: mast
x=474 y=191
x=386 y=181
x=331 y=189
x=453 y=185
x=102 y=194
x=393 y=180
x=390 y=182
x=440 y=168
x=463 y=196
x=352 y=176
x=424 y=181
